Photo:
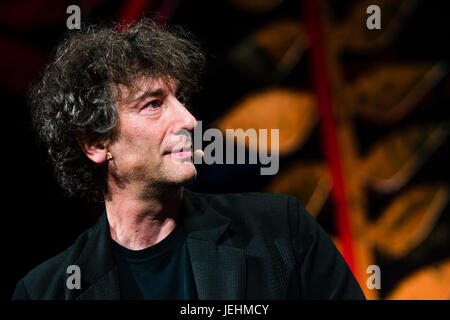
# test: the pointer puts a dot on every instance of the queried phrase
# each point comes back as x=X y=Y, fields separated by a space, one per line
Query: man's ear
x=94 y=150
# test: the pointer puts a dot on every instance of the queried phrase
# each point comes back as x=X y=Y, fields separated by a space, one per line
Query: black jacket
x=241 y=246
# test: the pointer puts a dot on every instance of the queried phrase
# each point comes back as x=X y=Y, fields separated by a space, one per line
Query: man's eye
x=153 y=104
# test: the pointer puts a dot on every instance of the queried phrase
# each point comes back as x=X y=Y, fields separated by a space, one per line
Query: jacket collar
x=219 y=271
x=200 y=219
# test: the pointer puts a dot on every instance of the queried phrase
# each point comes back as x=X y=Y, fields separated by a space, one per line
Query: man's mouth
x=184 y=152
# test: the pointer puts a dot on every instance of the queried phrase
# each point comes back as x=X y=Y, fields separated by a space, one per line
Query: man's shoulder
x=261 y=202
x=257 y=209
x=48 y=275
x=71 y=253
x=247 y=197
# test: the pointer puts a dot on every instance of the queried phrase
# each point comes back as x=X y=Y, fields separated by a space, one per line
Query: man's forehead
x=145 y=86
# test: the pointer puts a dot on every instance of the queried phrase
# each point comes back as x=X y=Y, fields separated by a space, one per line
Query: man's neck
x=138 y=223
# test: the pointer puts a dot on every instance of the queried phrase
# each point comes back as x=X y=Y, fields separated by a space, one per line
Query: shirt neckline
x=166 y=246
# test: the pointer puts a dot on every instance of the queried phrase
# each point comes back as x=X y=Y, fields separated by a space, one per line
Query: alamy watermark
x=74 y=20
x=221 y=150
x=74 y=280
x=374 y=280
x=374 y=20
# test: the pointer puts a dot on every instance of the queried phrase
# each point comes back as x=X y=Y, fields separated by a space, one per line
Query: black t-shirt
x=159 y=272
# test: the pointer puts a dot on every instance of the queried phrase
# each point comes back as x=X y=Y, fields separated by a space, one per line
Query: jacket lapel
x=99 y=274
x=219 y=270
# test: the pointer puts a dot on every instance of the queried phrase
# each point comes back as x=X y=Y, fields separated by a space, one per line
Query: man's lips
x=181 y=154
x=184 y=152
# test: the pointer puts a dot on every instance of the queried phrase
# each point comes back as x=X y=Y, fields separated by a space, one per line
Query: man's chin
x=184 y=173
x=191 y=179
x=192 y=175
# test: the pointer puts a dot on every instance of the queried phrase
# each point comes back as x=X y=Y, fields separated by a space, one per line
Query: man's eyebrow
x=159 y=93
x=151 y=93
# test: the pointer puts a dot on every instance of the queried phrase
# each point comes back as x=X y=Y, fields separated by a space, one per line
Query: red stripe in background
x=132 y=10
x=329 y=138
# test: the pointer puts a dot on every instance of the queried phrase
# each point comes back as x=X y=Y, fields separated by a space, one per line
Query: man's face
x=153 y=126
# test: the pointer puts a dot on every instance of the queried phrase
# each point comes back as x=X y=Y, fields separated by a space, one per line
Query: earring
x=108 y=156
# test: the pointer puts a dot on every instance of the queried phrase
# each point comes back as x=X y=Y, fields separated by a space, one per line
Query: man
x=109 y=108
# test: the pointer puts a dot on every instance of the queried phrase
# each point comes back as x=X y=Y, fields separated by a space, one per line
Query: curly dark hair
x=76 y=95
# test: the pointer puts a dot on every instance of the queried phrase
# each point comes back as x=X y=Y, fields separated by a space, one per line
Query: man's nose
x=185 y=120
